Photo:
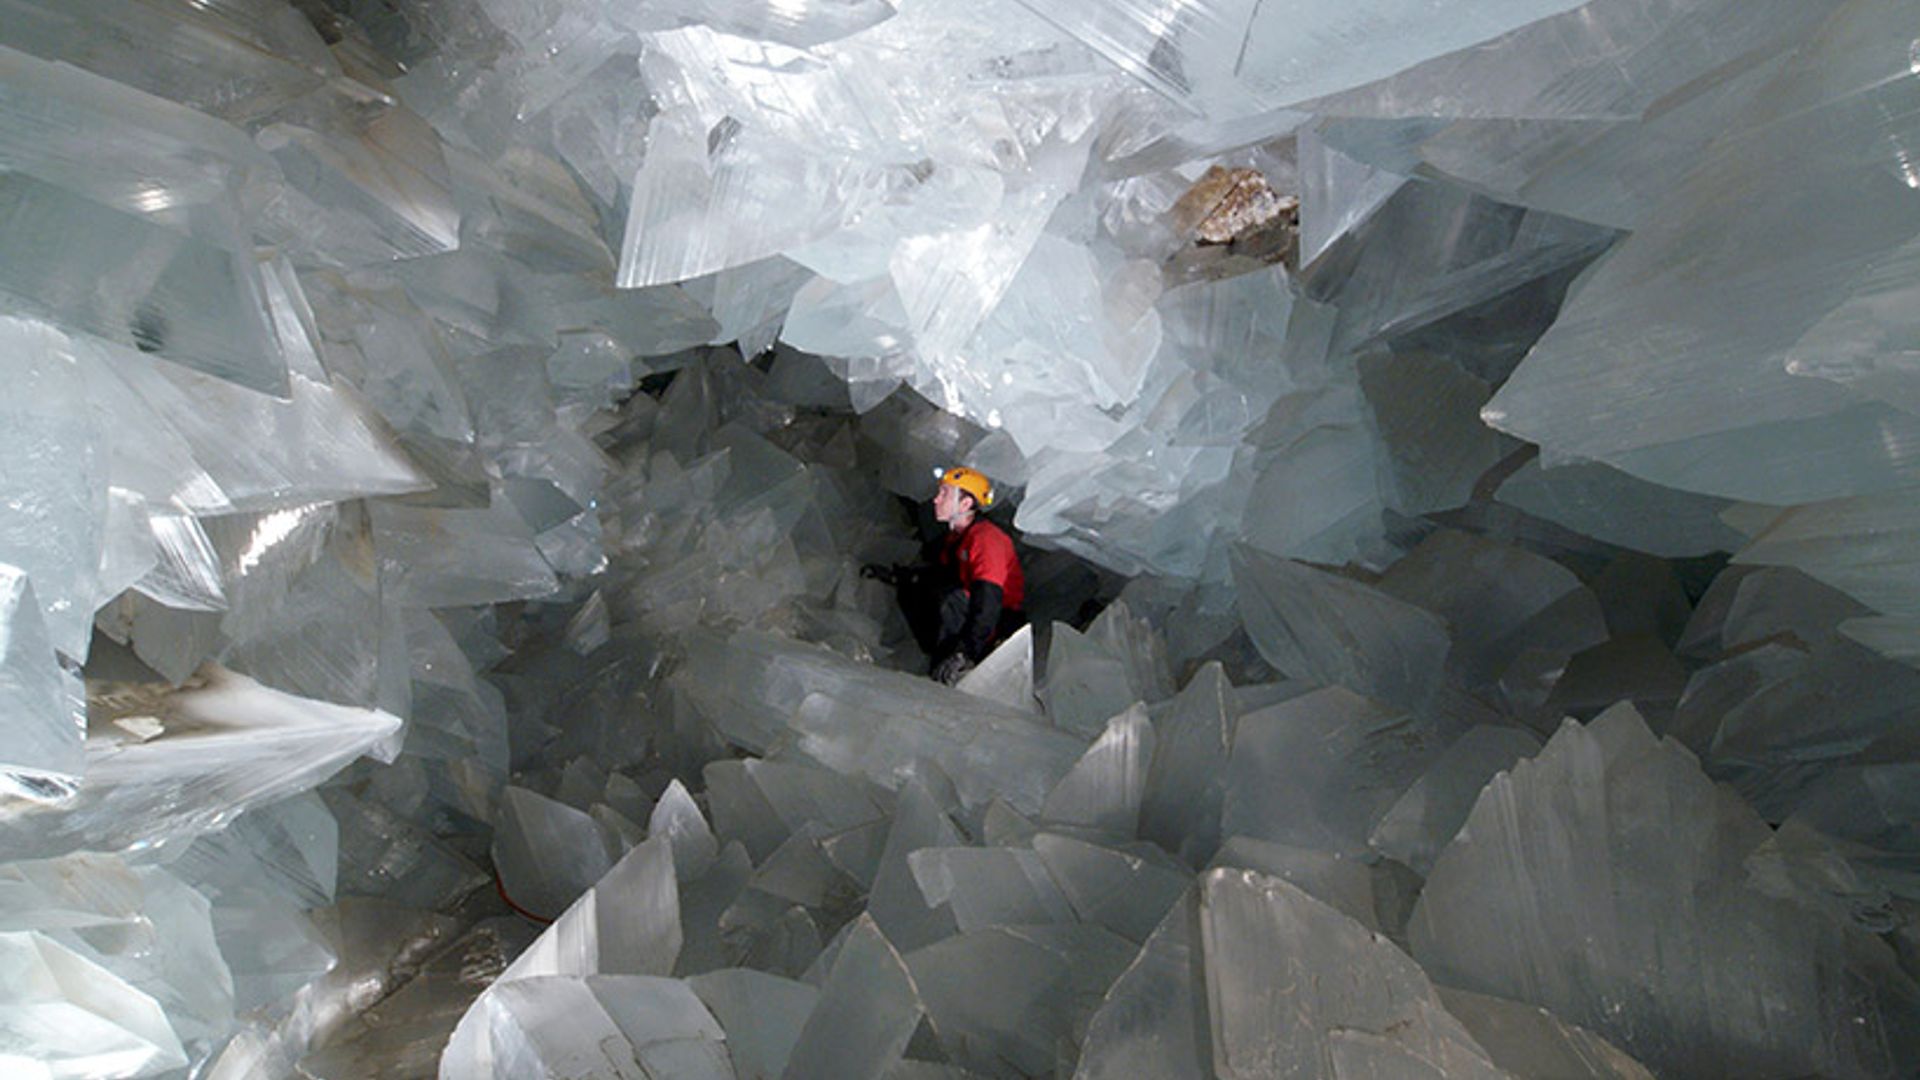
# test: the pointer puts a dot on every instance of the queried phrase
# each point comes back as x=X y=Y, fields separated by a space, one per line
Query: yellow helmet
x=971 y=481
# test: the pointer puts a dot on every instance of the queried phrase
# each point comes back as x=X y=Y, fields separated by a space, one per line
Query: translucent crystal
x=1499 y=603
x=529 y=207
x=1854 y=545
x=1334 y=978
x=1315 y=624
x=703 y=901
x=63 y=1011
x=1105 y=788
x=1529 y=1041
x=763 y=803
x=1338 y=193
x=384 y=855
x=1755 y=713
x=677 y=818
x=375 y=191
x=410 y=1028
x=290 y=847
x=377 y=338
x=1000 y=999
x=302 y=263
x=45 y=727
x=1154 y=1019
x=895 y=900
x=1667 y=950
x=143 y=924
x=868 y=1009
x=444 y=558
x=1467 y=249
x=1867 y=813
x=627 y=1025
x=54 y=481
x=186 y=570
x=949 y=281
x=301 y=599
x=1610 y=505
x=1135 y=640
x=799 y=872
x=1321 y=770
x=227 y=743
x=1801 y=368
x=148 y=252
x=628 y=923
x=1364 y=890
x=988 y=887
x=1318 y=491
x=870 y=722
x=1125 y=892
x=799 y=25
x=272 y=950
x=547 y=853
x=1085 y=683
x=458 y=723
x=1006 y=675
x=214 y=58
x=1180 y=810
x=762 y=1014
x=1608 y=63
x=257 y=452
x=1235 y=58
x=1427 y=410
x=711 y=198
x=375 y=942
x=1425 y=818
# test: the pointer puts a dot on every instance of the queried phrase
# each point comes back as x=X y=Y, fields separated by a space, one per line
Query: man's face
x=947 y=504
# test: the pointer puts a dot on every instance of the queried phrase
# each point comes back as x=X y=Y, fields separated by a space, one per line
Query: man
x=977 y=594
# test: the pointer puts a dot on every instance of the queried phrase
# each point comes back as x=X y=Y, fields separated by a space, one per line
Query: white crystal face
x=467 y=587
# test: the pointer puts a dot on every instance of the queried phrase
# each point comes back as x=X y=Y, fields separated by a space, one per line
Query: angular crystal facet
x=1654 y=957
x=867 y=1011
x=142 y=247
x=61 y=1011
x=44 y=731
x=1321 y=770
x=1812 y=424
x=1335 y=979
x=1237 y=57
x=225 y=743
x=1315 y=624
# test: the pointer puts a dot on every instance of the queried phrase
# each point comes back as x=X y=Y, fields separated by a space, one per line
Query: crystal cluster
x=1464 y=452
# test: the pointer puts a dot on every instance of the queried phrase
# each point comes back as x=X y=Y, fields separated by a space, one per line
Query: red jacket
x=984 y=552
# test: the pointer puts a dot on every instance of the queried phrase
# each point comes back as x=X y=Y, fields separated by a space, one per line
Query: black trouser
x=937 y=614
x=954 y=606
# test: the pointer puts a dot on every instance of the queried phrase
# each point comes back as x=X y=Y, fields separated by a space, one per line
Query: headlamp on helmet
x=971 y=481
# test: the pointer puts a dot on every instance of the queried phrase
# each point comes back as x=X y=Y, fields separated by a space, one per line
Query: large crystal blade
x=1315 y=624
x=1229 y=58
x=60 y=1011
x=1790 y=336
x=143 y=247
x=1287 y=975
x=45 y=728
x=1321 y=770
x=226 y=743
x=871 y=722
x=1604 y=880
x=867 y=1011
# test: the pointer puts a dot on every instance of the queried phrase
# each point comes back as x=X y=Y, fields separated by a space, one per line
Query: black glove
x=893 y=576
x=951 y=669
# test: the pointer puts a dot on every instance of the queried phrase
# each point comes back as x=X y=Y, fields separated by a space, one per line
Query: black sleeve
x=984 y=600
